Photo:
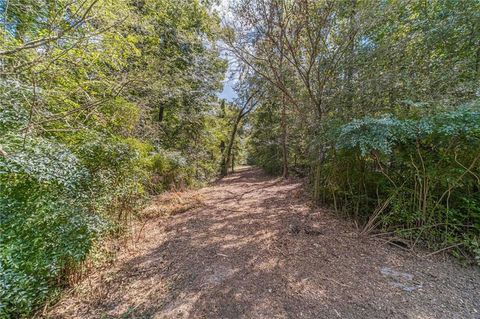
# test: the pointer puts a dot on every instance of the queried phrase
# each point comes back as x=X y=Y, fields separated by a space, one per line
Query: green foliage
x=44 y=225
x=372 y=135
x=81 y=142
x=382 y=108
x=33 y=157
x=426 y=169
x=264 y=144
x=382 y=134
x=42 y=233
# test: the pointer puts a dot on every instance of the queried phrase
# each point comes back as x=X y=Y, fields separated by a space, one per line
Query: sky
x=228 y=93
x=231 y=77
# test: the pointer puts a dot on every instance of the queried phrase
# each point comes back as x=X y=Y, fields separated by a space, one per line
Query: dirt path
x=257 y=250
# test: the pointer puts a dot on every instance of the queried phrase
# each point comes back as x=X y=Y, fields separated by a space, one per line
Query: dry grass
x=257 y=249
x=88 y=278
x=172 y=203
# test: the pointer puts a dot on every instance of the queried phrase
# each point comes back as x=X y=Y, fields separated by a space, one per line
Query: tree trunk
x=241 y=113
x=351 y=55
x=160 y=113
x=284 y=104
x=284 y=138
x=224 y=160
x=228 y=151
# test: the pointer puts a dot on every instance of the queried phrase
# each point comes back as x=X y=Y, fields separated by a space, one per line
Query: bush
x=60 y=193
x=265 y=148
x=44 y=225
x=421 y=174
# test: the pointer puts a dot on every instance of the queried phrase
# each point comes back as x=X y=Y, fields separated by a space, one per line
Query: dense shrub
x=118 y=106
x=415 y=175
x=264 y=144
x=43 y=223
x=58 y=195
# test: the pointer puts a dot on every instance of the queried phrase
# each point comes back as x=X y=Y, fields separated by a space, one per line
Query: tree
x=250 y=100
x=380 y=74
x=103 y=103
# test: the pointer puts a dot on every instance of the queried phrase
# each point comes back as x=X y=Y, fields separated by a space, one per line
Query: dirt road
x=256 y=249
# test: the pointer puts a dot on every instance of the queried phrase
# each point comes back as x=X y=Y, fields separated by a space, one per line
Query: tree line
x=377 y=103
x=103 y=104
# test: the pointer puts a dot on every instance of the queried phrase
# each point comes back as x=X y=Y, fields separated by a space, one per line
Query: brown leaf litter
x=251 y=246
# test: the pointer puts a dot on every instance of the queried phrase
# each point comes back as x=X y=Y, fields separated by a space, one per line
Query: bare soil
x=256 y=248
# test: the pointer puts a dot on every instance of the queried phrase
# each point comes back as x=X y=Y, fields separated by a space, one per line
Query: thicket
x=417 y=176
x=264 y=146
x=377 y=104
x=103 y=104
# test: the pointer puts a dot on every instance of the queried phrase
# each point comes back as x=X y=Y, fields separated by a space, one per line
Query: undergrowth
x=415 y=175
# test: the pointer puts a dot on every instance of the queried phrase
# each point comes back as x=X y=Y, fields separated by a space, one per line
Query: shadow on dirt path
x=256 y=249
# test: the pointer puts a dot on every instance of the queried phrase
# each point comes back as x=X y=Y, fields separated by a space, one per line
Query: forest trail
x=257 y=249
